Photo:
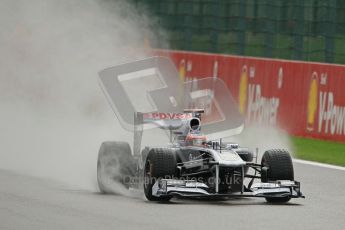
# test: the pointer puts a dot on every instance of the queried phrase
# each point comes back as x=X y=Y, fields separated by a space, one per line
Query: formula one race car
x=196 y=162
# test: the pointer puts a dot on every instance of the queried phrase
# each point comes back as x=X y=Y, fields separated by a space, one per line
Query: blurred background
x=309 y=30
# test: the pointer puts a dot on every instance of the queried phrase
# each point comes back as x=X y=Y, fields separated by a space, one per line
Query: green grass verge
x=318 y=150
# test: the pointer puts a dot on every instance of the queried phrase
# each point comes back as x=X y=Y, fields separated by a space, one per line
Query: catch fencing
x=310 y=30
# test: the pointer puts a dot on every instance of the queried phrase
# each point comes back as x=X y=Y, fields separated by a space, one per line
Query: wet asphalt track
x=31 y=203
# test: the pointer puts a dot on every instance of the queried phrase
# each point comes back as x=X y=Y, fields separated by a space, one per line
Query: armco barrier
x=306 y=99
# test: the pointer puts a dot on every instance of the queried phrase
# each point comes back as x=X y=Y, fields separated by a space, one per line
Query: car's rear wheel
x=279 y=167
x=115 y=165
x=160 y=163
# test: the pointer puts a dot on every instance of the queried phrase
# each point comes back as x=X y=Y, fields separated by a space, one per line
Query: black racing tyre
x=115 y=165
x=160 y=163
x=280 y=167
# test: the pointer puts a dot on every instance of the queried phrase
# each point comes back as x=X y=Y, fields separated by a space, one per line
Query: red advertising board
x=306 y=99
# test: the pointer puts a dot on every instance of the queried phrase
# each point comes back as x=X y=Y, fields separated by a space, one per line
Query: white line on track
x=319 y=164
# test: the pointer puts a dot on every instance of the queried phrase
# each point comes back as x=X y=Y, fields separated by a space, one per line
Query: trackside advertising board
x=306 y=99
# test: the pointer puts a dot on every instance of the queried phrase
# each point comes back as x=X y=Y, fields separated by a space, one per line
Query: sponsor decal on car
x=167 y=116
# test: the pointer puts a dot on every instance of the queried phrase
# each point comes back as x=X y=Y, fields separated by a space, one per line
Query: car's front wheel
x=160 y=163
x=279 y=166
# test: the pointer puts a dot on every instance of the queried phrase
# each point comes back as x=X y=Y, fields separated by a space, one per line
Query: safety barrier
x=305 y=99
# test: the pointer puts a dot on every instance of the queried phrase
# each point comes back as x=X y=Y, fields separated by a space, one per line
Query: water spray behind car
x=53 y=114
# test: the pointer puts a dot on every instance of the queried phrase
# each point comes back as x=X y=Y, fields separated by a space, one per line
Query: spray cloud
x=53 y=115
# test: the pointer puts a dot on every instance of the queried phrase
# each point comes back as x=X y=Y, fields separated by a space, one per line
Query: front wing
x=189 y=188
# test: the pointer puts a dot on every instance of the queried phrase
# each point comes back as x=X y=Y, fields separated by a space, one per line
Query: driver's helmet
x=198 y=139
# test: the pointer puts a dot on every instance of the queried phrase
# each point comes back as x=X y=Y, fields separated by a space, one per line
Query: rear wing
x=169 y=121
x=173 y=122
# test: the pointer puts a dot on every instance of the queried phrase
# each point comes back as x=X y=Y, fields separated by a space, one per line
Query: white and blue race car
x=195 y=162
